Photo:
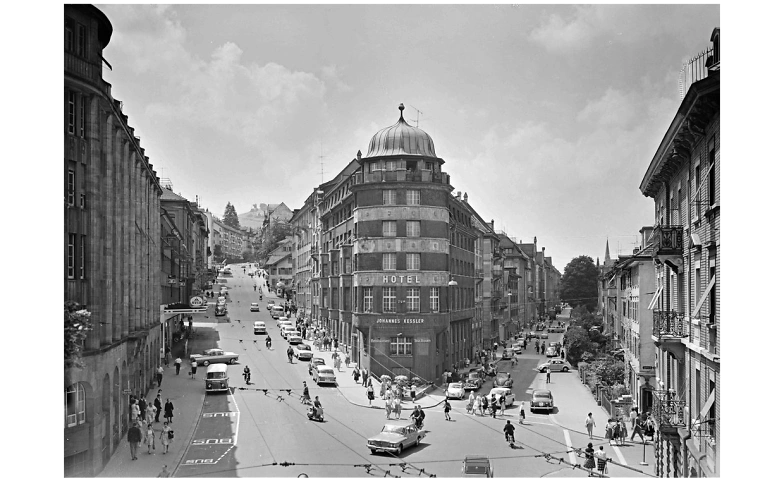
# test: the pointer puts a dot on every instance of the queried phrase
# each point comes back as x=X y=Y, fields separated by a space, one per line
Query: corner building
x=412 y=239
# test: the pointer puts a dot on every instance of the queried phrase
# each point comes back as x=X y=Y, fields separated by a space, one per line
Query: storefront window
x=400 y=346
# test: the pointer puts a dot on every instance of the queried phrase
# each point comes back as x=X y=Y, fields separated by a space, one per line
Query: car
x=543 y=335
x=294 y=338
x=542 y=400
x=507 y=353
x=302 y=351
x=555 y=364
x=455 y=391
x=259 y=327
x=314 y=364
x=474 y=381
x=254 y=307
x=556 y=329
x=395 y=437
x=531 y=335
x=506 y=392
x=277 y=311
x=286 y=330
x=550 y=352
x=221 y=301
x=325 y=374
x=212 y=356
x=270 y=303
x=221 y=310
x=517 y=348
x=476 y=466
x=282 y=321
x=503 y=379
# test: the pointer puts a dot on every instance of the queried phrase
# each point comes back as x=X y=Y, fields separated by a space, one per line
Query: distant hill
x=255 y=217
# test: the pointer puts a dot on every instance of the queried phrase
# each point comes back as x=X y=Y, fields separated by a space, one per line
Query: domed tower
x=402 y=250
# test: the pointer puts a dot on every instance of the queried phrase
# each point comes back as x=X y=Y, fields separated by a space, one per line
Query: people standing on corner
x=168 y=411
x=194 y=365
x=589 y=424
x=134 y=438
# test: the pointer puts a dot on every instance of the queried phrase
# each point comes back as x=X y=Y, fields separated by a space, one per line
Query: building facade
x=683 y=181
x=112 y=258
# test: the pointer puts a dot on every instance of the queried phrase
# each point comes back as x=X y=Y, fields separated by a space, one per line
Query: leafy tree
x=247 y=255
x=278 y=230
x=579 y=284
x=579 y=346
x=77 y=324
x=610 y=371
x=230 y=216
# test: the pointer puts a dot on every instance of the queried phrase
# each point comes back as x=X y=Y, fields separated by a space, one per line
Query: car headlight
x=209 y=386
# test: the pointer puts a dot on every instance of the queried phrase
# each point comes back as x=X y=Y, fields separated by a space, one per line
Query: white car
x=280 y=322
x=455 y=391
x=277 y=311
x=555 y=364
x=294 y=338
x=325 y=374
x=507 y=392
x=302 y=351
x=254 y=307
x=286 y=330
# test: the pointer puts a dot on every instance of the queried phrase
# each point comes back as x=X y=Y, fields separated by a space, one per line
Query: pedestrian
x=168 y=411
x=194 y=365
x=364 y=377
x=649 y=427
x=589 y=462
x=547 y=370
x=601 y=460
x=163 y=355
x=388 y=406
x=142 y=408
x=158 y=408
x=167 y=358
x=167 y=434
x=563 y=354
x=177 y=365
x=305 y=399
x=136 y=413
x=471 y=399
x=445 y=379
x=151 y=413
x=134 y=438
x=522 y=412
x=370 y=394
x=589 y=424
x=412 y=391
x=609 y=431
x=164 y=472
x=622 y=432
x=484 y=404
x=356 y=373
x=149 y=439
x=398 y=406
x=336 y=343
x=447 y=408
x=493 y=405
x=636 y=424
x=502 y=404
x=477 y=405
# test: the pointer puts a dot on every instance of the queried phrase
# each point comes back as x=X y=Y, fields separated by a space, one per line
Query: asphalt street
x=251 y=433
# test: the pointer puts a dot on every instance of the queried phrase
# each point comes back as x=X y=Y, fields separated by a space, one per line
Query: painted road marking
x=237 y=427
x=621 y=459
x=220 y=414
x=199 y=462
x=568 y=440
x=212 y=441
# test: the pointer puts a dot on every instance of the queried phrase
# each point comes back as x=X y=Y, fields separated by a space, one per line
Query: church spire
x=607 y=252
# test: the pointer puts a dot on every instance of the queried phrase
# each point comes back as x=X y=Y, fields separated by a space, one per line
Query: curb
x=370 y=406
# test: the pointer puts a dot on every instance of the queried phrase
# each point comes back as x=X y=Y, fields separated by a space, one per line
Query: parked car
x=550 y=352
x=542 y=400
x=455 y=391
x=325 y=374
x=507 y=353
x=210 y=356
x=221 y=310
x=555 y=364
x=221 y=301
x=314 y=364
x=394 y=438
x=270 y=304
x=517 y=348
x=302 y=351
x=503 y=379
x=277 y=311
x=543 y=335
x=507 y=392
x=476 y=466
x=474 y=381
x=556 y=329
x=254 y=307
x=286 y=330
x=294 y=338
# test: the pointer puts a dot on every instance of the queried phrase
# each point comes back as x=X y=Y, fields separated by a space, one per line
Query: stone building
x=112 y=257
x=683 y=181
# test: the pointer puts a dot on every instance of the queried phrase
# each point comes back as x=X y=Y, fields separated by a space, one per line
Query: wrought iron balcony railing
x=668 y=410
x=670 y=323
x=668 y=240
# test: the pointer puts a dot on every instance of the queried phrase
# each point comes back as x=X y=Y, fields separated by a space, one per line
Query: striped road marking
x=568 y=440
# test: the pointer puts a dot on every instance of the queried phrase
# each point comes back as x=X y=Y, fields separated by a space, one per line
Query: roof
x=171 y=196
x=401 y=139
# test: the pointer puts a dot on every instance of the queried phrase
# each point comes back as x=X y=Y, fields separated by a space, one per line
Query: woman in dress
x=370 y=394
x=165 y=440
x=151 y=410
x=624 y=431
x=609 y=431
x=168 y=411
x=397 y=405
x=477 y=405
x=589 y=464
x=470 y=405
x=149 y=438
x=388 y=406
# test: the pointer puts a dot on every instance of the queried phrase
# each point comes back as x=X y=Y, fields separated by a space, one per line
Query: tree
x=580 y=347
x=610 y=371
x=278 y=230
x=230 y=216
x=579 y=284
x=247 y=255
x=77 y=324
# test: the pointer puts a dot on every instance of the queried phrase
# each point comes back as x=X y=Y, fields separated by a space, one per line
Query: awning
x=708 y=289
x=695 y=240
x=656 y=297
x=708 y=404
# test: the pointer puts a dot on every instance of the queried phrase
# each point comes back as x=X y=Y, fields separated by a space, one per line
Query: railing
x=668 y=240
x=670 y=323
x=695 y=70
x=423 y=176
x=668 y=411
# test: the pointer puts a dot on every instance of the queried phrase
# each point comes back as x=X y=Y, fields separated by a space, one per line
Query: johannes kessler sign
x=400 y=320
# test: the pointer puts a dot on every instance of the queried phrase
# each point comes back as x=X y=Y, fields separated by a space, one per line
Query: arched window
x=74 y=405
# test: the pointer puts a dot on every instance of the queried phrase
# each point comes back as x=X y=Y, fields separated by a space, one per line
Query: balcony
x=417 y=176
x=668 y=411
x=668 y=240
x=668 y=329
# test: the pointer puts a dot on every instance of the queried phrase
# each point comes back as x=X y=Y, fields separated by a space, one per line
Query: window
x=429 y=165
x=400 y=346
x=388 y=197
x=434 y=303
x=412 y=300
x=74 y=405
x=69 y=34
x=389 y=299
x=71 y=255
x=71 y=187
x=375 y=166
x=712 y=170
x=81 y=256
x=367 y=299
x=82 y=200
x=389 y=228
x=412 y=229
x=83 y=109
x=389 y=261
x=412 y=197
x=391 y=165
x=697 y=195
x=81 y=45
x=412 y=261
x=335 y=299
x=71 y=111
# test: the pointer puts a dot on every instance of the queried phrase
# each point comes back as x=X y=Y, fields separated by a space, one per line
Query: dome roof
x=401 y=139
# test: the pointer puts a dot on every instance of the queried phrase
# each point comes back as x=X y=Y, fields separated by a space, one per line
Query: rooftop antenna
x=419 y=112
x=321 y=159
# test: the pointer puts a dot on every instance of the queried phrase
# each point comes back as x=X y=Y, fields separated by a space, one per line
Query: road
x=244 y=432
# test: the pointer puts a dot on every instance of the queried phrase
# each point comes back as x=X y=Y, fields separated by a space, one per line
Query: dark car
x=474 y=381
x=315 y=363
x=542 y=400
x=503 y=379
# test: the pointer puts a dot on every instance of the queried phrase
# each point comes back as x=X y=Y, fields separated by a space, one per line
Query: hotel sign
x=402 y=279
x=420 y=279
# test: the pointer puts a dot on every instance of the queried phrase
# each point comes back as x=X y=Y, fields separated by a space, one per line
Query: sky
x=546 y=115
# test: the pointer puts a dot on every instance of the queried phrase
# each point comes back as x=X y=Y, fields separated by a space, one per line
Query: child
x=447 y=408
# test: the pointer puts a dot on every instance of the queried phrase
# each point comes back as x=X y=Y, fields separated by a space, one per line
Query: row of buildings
x=402 y=270
x=661 y=303
x=137 y=255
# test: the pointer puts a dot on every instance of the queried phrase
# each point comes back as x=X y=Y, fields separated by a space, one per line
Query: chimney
x=465 y=197
x=492 y=225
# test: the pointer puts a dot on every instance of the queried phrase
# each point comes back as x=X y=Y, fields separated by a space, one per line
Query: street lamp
x=509 y=309
x=450 y=284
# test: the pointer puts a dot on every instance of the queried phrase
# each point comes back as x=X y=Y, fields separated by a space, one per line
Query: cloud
x=614 y=109
x=332 y=74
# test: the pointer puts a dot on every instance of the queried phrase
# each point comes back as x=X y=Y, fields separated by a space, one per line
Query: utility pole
x=419 y=112
x=321 y=160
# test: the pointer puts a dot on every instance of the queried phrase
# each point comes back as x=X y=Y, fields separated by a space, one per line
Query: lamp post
x=449 y=349
x=509 y=309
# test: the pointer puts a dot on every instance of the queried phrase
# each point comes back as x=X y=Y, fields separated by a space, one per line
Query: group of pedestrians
x=143 y=415
x=480 y=404
x=616 y=430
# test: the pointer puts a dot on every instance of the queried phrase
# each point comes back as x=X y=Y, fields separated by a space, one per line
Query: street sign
x=126 y=391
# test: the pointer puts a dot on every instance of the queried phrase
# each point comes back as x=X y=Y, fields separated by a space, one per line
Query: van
x=277 y=311
x=325 y=374
x=259 y=327
x=285 y=330
x=217 y=378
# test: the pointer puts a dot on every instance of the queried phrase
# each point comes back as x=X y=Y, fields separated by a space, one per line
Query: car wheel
x=419 y=439
x=399 y=449
x=372 y=451
x=205 y=363
x=233 y=361
x=565 y=369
